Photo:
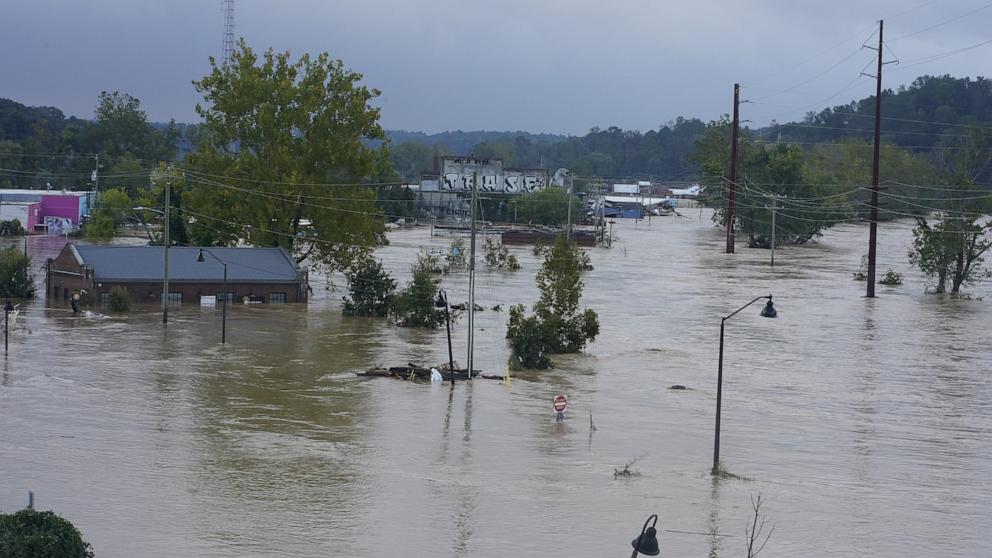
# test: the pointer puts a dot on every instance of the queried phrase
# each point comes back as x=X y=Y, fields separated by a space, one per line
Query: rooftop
x=145 y=263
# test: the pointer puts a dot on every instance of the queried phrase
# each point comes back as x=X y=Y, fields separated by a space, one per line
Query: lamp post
x=442 y=302
x=767 y=312
x=8 y=307
x=223 y=322
x=647 y=542
x=165 y=272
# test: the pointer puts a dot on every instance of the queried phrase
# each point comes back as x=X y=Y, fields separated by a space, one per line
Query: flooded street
x=864 y=424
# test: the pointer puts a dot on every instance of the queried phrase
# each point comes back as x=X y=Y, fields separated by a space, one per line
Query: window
x=104 y=298
x=175 y=298
x=277 y=298
x=230 y=297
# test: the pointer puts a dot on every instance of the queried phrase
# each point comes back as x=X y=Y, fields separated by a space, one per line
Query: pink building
x=53 y=211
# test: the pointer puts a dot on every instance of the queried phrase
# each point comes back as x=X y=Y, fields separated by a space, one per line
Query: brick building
x=267 y=275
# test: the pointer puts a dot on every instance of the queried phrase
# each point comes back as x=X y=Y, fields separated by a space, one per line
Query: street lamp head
x=199 y=257
x=647 y=542
x=769 y=310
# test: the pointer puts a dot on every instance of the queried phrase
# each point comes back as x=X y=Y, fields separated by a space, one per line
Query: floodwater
x=863 y=424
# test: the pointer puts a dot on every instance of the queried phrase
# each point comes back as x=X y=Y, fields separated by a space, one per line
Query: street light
x=223 y=322
x=165 y=273
x=442 y=302
x=647 y=542
x=767 y=312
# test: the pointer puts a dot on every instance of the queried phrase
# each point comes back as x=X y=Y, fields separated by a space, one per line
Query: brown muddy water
x=863 y=424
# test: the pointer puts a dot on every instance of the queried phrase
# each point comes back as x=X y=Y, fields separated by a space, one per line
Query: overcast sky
x=559 y=66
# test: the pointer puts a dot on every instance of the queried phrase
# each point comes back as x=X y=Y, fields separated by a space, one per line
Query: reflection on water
x=864 y=424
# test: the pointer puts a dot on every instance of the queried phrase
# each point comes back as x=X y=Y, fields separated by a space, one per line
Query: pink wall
x=34 y=217
x=61 y=206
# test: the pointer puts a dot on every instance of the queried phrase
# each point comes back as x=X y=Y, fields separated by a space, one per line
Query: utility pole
x=168 y=241
x=774 y=211
x=873 y=215
x=471 y=283
x=732 y=197
x=568 y=221
x=96 y=177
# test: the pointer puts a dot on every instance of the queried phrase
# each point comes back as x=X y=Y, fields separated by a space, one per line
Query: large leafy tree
x=284 y=143
x=547 y=207
x=949 y=247
x=768 y=176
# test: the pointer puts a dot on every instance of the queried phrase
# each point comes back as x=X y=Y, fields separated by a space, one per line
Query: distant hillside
x=930 y=112
x=462 y=143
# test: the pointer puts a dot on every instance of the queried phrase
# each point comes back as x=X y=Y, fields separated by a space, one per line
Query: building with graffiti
x=446 y=189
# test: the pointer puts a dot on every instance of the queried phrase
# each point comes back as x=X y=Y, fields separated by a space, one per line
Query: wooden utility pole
x=732 y=196
x=471 y=282
x=873 y=215
x=167 y=241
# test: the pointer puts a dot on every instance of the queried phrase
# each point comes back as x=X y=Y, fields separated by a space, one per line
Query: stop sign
x=560 y=403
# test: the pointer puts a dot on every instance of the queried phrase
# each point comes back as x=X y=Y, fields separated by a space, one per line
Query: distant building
x=56 y=212
x=267 y=275
x=626 y=189
x=445 y=190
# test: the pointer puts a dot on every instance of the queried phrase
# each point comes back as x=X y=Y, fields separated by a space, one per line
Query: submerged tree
x=40 y=534
x=372 y=288
x=15 y=279
x=498 y=256
x=557 y=325
x=414 y=306
x=951 y=250
x=273 y=128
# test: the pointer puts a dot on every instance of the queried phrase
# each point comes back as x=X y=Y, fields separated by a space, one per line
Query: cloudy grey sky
x=539 y=65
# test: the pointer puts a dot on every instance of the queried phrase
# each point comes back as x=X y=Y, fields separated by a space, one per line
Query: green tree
x=16 y=281
x=115 y=206
x=411 y=158
x=548 y=207
x=952 y=249
x=121 y=127
x=274 y=127
x=769 y=176
x=373 y=290
x=557 y=325
x=415 y=305
x=40 y=534
x=153 y=197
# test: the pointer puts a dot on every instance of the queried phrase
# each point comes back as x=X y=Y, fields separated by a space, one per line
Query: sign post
x=560 y=403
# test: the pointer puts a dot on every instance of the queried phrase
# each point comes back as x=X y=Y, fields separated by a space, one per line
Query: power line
x=941 y=24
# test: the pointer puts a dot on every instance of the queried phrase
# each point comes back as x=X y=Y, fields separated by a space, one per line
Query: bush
x=40 y=534
x=15 y=280
x=862 y=273
x=499 y=257
x=372 y=289
x=120 y=300
x=891 y=278
x=456 y=256
x=12 y=227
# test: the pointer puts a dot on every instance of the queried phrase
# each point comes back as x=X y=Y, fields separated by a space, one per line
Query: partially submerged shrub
x=119 y=299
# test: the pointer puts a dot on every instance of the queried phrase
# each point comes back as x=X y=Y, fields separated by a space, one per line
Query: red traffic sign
x=560 y=403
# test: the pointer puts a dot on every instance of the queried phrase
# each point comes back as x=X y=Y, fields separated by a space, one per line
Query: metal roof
x=145 y=263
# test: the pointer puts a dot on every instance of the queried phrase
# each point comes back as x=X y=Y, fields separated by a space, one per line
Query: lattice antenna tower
x=228 y=31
